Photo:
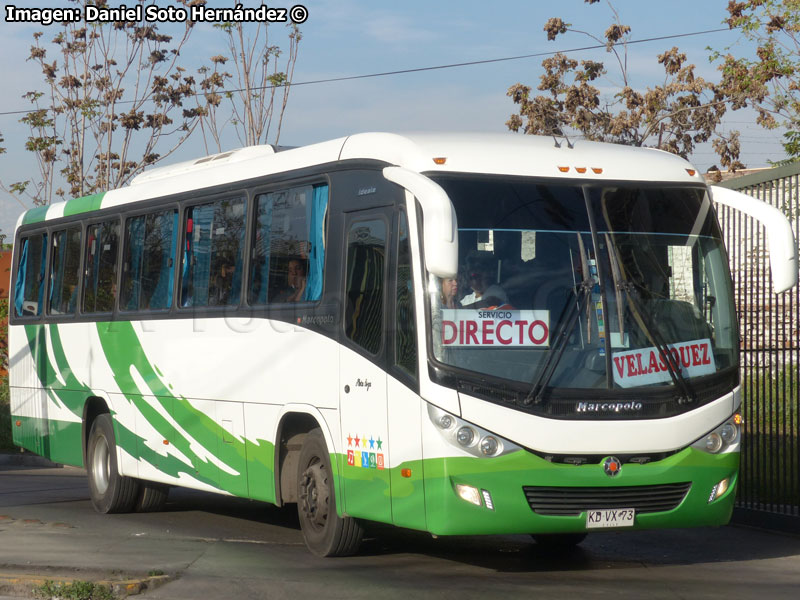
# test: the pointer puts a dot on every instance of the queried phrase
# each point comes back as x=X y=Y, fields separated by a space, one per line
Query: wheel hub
x=101 y=465
x=314 y=495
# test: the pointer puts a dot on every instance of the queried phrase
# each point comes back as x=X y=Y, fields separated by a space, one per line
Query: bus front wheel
x=324 y=531
x=110 y=492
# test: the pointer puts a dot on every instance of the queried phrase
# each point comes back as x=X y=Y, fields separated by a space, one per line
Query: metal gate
x=769 y=484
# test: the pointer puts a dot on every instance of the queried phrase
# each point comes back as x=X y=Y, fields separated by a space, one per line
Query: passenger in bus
x=222 y=285
x=296 y=281
x=484 y=291
x=449 y=293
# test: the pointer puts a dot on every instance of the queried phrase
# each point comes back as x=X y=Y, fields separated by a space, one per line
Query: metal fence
x=769 y=486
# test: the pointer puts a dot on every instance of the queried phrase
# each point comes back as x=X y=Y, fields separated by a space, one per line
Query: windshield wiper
x=646 y=324
x=566 y=322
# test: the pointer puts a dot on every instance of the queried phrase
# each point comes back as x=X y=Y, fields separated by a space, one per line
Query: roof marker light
x=691 y=172
x=597 y=170
x=440 y=160
x=563 y=169
x=580 y=169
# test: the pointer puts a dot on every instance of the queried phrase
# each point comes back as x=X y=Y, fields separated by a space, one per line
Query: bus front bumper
x=503 y=507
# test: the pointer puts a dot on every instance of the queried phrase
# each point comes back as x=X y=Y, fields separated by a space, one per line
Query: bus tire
x=110 y=492
x=152 y=497
x=324 y=531
x=558 y=541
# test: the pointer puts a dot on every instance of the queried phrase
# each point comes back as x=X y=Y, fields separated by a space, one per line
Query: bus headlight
x=489 y=446
x=722 y=439
x=713 y=442
x=469 y=437
x=729 y=433
x=465 y=436
x=445 y=421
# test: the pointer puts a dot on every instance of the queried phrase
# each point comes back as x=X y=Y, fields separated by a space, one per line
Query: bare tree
x=260 y=84
x=680 y=112
x=112 y=104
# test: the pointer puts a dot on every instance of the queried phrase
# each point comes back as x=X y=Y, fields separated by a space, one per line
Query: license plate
x=609 y=517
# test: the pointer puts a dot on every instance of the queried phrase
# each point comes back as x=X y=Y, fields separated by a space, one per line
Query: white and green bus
x=460 y=334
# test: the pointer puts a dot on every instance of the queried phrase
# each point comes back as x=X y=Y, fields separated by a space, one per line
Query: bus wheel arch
x=292 y=429
x=93 y=407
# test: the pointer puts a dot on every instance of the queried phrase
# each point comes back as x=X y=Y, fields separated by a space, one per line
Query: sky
x=343 y=38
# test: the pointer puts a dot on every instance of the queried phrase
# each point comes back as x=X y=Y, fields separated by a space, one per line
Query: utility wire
x=438 y=67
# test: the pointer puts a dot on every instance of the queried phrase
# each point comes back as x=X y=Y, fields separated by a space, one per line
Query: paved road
x=221 y=547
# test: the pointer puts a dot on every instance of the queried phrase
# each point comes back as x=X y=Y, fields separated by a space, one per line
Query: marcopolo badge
x=612 y=466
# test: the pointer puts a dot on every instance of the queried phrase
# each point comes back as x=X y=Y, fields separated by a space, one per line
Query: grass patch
x=77 y=590
x=771 y=400
x=6 y=443
x=770 y=470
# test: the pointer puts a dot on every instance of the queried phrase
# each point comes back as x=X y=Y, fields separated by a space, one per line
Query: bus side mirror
x=782 y=245
x=440 y=228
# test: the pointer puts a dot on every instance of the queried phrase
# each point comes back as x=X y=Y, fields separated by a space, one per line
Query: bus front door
x=362 y=363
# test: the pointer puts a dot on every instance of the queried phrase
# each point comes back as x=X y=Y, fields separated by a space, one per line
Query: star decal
x=349 y=440
x=371 y=443
x=357 y=440
x=380 y=443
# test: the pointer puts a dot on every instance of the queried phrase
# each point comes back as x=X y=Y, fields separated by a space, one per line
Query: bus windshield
x=576 y=286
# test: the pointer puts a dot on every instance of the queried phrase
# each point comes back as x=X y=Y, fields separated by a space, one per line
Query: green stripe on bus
x=84 y=204
x=35 y=215
x=251 y=460
x=59 y=441
x=72 y=393
x=124 y=352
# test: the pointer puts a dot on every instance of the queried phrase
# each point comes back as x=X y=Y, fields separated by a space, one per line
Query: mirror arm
x=782 y=244
x=440 y=227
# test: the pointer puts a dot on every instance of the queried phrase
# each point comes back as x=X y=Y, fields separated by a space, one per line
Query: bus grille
x=572 y=501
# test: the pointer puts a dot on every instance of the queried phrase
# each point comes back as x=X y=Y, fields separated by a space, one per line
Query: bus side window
x=289 y=234
x=29 y=291
x=65 y=271
x=213 y=255
x=147 y=266
x=366 y=265
x=100 y=267
x=405 y=353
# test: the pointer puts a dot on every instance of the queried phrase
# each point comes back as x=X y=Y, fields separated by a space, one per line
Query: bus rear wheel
x=324 y=531
x=152 y=497
x=110 y=492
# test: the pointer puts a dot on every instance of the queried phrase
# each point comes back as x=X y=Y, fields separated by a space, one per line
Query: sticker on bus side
x=495 y=328
x=644 y=366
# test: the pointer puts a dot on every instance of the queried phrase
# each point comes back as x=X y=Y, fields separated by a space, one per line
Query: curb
x=24 y=585
x=26 y=459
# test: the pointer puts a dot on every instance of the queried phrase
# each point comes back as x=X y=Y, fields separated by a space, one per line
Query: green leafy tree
x=768 y=79
x=682 y=111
